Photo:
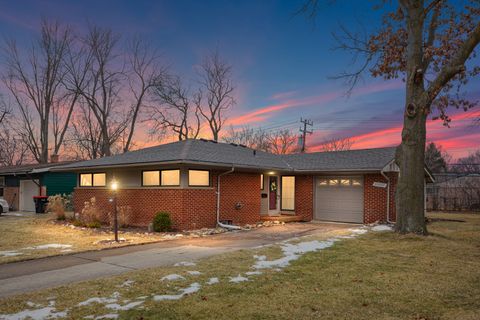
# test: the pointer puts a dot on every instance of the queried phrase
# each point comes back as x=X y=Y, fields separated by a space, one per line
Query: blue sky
x=281 y=62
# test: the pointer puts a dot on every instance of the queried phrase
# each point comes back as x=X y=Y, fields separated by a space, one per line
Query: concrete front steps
x=282 y=218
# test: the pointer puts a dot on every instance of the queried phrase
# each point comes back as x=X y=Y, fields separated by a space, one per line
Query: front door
x=272 y=187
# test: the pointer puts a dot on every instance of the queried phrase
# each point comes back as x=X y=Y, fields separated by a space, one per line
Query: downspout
x=226 y=226
x=388 y=195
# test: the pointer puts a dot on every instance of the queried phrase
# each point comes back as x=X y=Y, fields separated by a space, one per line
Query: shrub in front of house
x=93 y=225
x=91 y=214
x=162 y=222
x=56 y=204
x=124 y=216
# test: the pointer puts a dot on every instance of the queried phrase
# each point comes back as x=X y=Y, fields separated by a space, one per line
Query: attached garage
x=339 y=199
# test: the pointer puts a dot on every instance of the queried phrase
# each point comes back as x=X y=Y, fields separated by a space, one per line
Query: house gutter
x=225 y=226
x=388 y=194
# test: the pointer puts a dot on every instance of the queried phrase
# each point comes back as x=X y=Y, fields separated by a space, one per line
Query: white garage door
x=339 y=199
x=28 y=189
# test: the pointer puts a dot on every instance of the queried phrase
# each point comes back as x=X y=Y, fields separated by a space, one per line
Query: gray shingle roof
x=366 y=159
x=191 y=151
x=27 y=168
x=224 y=154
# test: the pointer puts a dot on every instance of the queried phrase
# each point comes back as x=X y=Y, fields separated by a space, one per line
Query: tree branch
x=456 y=65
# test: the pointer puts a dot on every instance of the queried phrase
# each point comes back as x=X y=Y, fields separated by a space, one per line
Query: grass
x=18 y=233
x=375 y=276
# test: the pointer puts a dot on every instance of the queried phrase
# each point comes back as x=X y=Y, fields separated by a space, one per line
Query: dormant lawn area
x=376 y=275
x=33 y=236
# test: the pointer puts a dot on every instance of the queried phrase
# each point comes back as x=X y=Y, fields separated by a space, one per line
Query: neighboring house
x=187 y=178
x=454 y=191
x=19 y=184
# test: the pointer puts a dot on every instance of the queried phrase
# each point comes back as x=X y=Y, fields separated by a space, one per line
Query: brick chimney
x=54 y=158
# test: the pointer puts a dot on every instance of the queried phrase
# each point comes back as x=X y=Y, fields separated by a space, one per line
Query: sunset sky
x=282 y=63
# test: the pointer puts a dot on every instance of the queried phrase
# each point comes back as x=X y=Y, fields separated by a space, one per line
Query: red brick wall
x=304 y=197
x=11 y=194
x=393 y=176
x=375 y=199
x=242 y=189
x=190 y=208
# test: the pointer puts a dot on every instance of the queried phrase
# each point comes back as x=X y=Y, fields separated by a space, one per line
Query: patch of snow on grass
x=127 y=283
x=194 y=287
x=107 y=316
x=213 y=281
x=292 y=252
x=50 y=246
x=113 y=298
x=185 y=264
x=10 y=253
x=357 y=231
x=33 y=305
x=382 y=227
x=128 y=306
x=237 y=279
x=253 y=273
x=36 y=314
x=194 y=273
x=172 y=277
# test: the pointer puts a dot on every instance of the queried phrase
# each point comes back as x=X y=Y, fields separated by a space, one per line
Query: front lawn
x=32 y=236
x=377 y=275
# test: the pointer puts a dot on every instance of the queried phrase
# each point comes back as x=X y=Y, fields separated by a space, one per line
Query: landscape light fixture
x=114 y=187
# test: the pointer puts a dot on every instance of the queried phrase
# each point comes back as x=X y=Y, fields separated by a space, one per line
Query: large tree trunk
x=410 y=189
x=411 y=153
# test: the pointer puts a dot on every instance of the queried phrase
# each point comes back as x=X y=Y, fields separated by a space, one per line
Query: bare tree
x=469 y=164
x=102 y=68
x=85 y=135
x=337 y=145
x=216 y=92
x=174 y=109
x=35 y=82
x=283 y=142
x=5 y=110
x=145 y=72
x=13 y=150
x=280 y=142
x=427 y=43
x=255 y=139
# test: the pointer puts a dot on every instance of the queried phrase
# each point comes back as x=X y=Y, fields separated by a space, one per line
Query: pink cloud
x=455 y=139
x=269 y=111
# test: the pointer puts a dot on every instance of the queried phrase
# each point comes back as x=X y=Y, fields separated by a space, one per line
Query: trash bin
x=40 y=203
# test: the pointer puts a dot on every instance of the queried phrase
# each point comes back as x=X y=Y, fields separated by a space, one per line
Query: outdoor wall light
x=271 y=172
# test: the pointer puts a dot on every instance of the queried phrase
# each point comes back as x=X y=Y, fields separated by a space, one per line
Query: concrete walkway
x=21 y=277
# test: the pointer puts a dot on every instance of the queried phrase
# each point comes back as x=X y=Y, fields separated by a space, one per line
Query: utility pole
x=304 y=131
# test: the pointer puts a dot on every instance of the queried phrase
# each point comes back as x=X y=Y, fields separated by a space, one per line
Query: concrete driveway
x=25 y=276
